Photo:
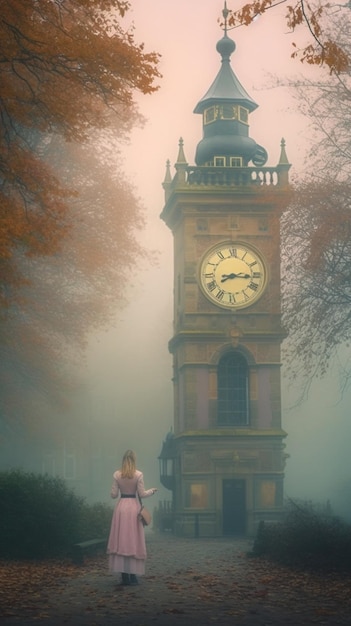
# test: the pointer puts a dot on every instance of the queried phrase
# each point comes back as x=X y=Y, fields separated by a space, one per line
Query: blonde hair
x=128 y=464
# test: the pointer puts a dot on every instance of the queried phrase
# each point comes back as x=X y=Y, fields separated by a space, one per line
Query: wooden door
x=234 y=507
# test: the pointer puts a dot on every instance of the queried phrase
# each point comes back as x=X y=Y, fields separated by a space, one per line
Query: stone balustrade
x=229 y=176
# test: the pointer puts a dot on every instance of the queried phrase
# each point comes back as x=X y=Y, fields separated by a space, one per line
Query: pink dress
x=126 y=545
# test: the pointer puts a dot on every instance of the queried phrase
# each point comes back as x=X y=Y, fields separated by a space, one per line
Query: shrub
x=42 y=517
x=307 y=537
x=95 y=521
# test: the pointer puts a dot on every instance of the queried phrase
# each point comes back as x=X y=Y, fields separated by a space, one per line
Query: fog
x=130 y=367
x=319 y=432
x=127 y=393
x=132 y=396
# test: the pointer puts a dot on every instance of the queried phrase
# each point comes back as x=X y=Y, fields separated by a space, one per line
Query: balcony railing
x=250 y=177
x=231 y=176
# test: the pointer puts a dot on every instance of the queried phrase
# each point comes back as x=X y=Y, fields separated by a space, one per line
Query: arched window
x=232 y=385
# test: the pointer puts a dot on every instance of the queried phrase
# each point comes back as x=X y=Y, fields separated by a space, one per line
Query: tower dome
x=225 y=109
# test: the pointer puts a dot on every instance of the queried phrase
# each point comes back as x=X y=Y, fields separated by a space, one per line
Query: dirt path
x=196 y=581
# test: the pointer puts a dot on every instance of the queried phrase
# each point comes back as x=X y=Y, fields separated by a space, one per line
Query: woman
x=126 y=545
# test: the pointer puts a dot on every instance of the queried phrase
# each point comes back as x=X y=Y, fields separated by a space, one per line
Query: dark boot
x=133 y=580
x=125 y=579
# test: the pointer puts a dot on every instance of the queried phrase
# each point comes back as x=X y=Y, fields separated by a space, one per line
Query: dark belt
x=127 y=495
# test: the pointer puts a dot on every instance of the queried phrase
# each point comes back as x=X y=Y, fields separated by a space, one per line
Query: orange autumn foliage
x=66 y=67
x=67 y=214
x=321 y=50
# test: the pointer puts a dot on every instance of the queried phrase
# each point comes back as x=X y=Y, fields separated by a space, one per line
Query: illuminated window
x=233 y=384
x=219 y=161
x=197 y=496
x=236 y=161
x=267 y=493
x=209 y=115
x=243 y=115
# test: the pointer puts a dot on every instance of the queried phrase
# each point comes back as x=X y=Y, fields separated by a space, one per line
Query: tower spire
x=225 y=14
x=225 y=110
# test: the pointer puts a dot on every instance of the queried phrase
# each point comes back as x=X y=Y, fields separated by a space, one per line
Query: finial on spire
x=167 y=183
x=225 y=14
x=168 y=177
x=181 y=156
x=226 y=46
x=180 y=165
x=283 y=166
x=283 y=156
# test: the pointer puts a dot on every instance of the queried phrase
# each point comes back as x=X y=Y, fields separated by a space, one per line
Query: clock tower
x=224 y=461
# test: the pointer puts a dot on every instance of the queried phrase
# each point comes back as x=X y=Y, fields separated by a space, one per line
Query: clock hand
x=241 y=275
x=227 y=276
x=232 y=275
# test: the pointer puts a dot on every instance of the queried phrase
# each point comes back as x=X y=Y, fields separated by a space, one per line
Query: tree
x=316 y=230
x=73 y=292
x=316 y=236
x=67 y=68
x=322 y=48
x=68 y=216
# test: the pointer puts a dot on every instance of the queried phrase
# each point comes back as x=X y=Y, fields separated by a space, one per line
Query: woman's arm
x=114 y=489
x=144 y=493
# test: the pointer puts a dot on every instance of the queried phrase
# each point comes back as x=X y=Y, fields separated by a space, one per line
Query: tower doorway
x=234 y=507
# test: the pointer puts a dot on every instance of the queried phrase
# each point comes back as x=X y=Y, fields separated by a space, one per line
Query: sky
x=130 y=366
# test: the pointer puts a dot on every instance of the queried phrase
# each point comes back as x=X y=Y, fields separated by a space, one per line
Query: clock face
x=233 y=275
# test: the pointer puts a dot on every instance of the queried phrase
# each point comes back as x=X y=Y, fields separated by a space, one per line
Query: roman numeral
x=212 y=285
x=220 y=294
x=253 y=286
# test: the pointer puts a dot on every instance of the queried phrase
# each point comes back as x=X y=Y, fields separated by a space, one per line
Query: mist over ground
x=132 y=397
x=319 y=432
